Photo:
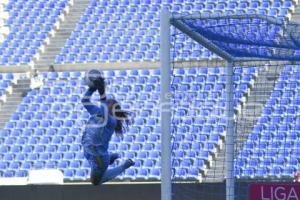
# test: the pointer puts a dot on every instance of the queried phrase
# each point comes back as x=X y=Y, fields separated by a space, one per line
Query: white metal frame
x=165 y=107
x=176 y=20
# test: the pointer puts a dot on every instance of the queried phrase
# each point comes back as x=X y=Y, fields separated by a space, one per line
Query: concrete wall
x=188 y=191
x=145 y=191
x=111 y=192
x=81 y=192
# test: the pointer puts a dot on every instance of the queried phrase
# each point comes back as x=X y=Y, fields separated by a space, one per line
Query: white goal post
x=282 y=53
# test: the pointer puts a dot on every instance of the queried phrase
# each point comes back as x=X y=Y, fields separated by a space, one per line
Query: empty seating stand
x=3 y=17
x=272 y=149
x=129 y=30
x=29 y=24
x=45 y=131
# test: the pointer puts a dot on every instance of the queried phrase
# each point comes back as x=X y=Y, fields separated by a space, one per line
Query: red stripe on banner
x=270 y=191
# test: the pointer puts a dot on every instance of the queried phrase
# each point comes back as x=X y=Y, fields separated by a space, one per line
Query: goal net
x=233 y=119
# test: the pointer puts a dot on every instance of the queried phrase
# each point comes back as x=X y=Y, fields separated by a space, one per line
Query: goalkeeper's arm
x=86 y=101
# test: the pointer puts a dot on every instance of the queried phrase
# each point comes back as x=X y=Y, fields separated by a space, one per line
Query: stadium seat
x=55 y=128
x=86 y=26
x=277 y=128
x=36 y=34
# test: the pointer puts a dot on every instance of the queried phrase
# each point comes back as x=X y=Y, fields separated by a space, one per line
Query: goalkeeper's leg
x=113 y=157
x=110 y=174
x=98 y=169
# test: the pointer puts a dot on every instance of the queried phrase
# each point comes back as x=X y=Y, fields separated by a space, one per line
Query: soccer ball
x=93 y=78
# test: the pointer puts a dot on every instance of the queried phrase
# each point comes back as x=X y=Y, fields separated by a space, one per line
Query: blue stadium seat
x=281 y=130
x=21 y=173
x=9 y=173
x=275 y=171
x=248 y=172
x=154 y=174
x=69 y=173
x=262 y=172
x=44 y=156
x=20 y=156
x=58 y=136
x=75 y=164
x=57 y=156
x=63 y=164
x=81 y=174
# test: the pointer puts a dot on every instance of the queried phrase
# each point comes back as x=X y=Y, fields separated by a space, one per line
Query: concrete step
x=46 y=60
x=12 y=104
x=241 y=128
x=13 y=101
x=216 y=170
x=251 y=111
x=252 y=114
x=68 y=29
x=51 y=49
x=49 y=56
x=262 y=81
x=213 y=180
x=215 y=174
x=68 y=25
x=241 y=137
x=7 y=115
x=22 y=85
x=258 y=96
x=219 y=167
x=61 y=39
x=44 y=65
x=264 y=84
x=62 y=34
x=23 y=81
x=4 y=116
x=246 y=124
x=262 y=90
x=9 y=107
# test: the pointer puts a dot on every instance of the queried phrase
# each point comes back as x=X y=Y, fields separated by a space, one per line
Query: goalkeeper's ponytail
x=121 y=116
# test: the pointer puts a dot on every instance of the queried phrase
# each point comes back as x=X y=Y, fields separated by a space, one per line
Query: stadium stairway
x=62 y=34
x=216 y=172
x=13 y=100
x=296 y=14
x=256 y=100
x=247 y=117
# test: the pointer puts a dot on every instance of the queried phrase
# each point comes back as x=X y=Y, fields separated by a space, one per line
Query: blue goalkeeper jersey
x=99 y=128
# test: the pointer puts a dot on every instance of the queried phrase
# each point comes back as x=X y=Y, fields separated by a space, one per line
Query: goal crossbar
x=236 y=37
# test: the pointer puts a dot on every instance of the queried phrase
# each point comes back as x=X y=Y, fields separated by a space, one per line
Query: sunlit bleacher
x=46 y=129
x=3 y=17
x=29 y=23
x=272 y=149
x=129 y=30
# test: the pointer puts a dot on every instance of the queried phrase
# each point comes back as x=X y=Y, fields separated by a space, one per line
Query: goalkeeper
x=104 y=121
